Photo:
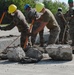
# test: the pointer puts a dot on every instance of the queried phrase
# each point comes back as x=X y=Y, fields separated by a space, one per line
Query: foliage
x=4 y=4
x=19 y=3
x=53 y=6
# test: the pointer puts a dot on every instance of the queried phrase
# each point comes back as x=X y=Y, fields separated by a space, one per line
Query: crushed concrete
x=15 y=54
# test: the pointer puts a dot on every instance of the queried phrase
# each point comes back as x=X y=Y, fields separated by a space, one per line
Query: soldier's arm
x=9 y=27
x=42 y=25
x=32 y=15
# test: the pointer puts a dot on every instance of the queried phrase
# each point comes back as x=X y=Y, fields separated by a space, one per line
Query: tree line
x=53 y=6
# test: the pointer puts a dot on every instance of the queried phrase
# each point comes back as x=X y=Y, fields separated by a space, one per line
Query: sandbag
x=15 y=54
x=34 y=53
x=59 y=52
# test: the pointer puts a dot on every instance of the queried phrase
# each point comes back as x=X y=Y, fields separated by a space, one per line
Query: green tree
x=19 y=3
x=4 y=4
x=53 y=6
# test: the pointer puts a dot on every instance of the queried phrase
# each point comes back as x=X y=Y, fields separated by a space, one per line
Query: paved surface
x=14 y=31
x=44 y=67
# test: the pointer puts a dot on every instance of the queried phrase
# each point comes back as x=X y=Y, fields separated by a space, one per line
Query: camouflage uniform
x=59 y=17
x=32 y=15
x=52 y=25
x=20 y=22
x=35 y=26
x=70 y=18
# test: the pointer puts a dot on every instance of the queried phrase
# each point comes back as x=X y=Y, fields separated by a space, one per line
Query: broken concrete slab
x=15 y=54
x=3 y=56
x=34 y=53
x=59 y=52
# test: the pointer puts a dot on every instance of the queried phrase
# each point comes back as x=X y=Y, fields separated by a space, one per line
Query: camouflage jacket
x=59 y=17
x=19 y=21
x=31 y=15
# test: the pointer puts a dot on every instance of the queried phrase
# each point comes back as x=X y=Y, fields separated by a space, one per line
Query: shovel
x=64 y=33
x=2 y=17
x=25 y=44
x=65 y=28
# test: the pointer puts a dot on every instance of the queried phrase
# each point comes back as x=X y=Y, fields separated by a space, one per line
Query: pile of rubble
x=33 y=54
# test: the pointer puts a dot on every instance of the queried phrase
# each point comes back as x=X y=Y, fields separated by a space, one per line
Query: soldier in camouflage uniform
x=62 y=22
x=47 y=19
x=70 y=18
x=31 y=14
x=19 y=21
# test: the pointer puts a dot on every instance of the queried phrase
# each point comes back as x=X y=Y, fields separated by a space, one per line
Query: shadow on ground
x=44 y=61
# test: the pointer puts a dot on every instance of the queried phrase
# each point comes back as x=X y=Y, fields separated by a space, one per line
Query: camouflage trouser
x=72 y=38
x=54 y=34
x=23 y=38
x=65 y=41
x=33 y=37
x=72 y=33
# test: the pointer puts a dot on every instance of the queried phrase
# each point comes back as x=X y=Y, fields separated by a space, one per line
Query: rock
x=60 y=52
x=34 y=53
x=41 y=49
x=3 y=56
x=15 y=54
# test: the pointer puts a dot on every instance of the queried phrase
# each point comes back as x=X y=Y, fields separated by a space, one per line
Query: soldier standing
x=31 y=15
x=63 y=39
x=47 y=19
x=70 y=18
x=19 y=21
